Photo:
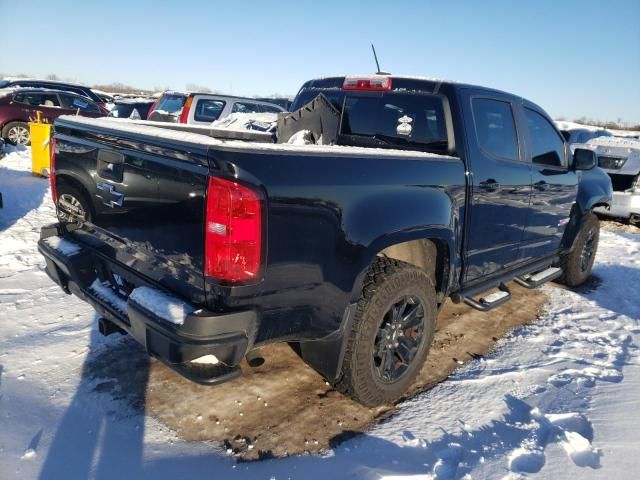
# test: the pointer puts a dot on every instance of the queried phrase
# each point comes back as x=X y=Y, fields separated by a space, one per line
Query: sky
x=573 y=58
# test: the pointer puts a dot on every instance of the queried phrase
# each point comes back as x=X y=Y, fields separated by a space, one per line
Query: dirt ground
x=618 y=226
x=284 y=407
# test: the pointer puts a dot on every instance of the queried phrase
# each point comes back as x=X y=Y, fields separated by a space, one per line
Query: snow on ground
x=556 y=398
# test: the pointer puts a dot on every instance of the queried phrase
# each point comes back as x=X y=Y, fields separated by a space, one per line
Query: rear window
x=170 y=103
x=270 y=108
x=397 y=119
x=495 y=128
x=245 y=107
x=121 y=111
x=208 y=110
x=38 y=99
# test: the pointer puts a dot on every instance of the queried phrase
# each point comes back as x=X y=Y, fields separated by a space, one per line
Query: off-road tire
x=7 y=128
x=571 y=263
x=64 y=189
x=385 y=282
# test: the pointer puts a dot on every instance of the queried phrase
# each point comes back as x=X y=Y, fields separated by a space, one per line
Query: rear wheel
x=391 y=335
x=72 y=203
x=578 y=263
x=17 y=133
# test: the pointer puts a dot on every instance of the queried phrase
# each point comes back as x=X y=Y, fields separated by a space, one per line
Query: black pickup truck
x=204 y=249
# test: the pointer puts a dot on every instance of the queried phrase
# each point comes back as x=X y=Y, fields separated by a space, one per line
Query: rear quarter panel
x=328 y=217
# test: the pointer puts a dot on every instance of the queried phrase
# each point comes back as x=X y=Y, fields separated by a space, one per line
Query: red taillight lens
x=233 y=231
x=184 y=115
x=375 y=83
x=52 y=168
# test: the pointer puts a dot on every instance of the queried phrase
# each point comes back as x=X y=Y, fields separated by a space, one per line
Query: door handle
x=541 y=186
x=490 y=185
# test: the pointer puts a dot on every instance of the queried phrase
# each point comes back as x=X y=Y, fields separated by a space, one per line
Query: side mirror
x=584 y=159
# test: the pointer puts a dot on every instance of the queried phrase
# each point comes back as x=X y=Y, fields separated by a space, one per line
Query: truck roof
x=408 y=82
x=416 y=84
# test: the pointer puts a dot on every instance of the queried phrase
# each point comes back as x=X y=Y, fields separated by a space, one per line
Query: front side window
x=547 y=147
x=208 y=110
x=495 y=128
x=74 y=103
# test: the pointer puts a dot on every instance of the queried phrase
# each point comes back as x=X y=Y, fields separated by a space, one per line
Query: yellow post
x=40 y=134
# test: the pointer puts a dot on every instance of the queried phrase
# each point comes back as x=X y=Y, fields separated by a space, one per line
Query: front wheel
x=578 y=263
x=391 y=335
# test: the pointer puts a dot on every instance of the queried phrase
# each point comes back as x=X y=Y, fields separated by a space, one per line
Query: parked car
x=204 y=108
x=620 y=159
x=204 y=250
x=134 y=108
x=61 y=86
x=19 y=106
x=583 y=135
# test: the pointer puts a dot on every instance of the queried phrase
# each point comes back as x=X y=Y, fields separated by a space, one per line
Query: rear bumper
x=176 y=340
x=623 y=205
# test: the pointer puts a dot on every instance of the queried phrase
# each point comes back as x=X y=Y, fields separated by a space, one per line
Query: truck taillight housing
x=233 y=232
x=372 y=83
x=153 y=107
x=52 y=169
x=184 y=115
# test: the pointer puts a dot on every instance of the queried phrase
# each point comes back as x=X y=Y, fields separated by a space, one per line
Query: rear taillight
x=375 y=83
x=52 y=169
x=233 y=232
x=153 y=107
x=184 y=115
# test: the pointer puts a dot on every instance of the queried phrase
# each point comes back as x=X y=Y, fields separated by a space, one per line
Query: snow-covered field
x=557 y=398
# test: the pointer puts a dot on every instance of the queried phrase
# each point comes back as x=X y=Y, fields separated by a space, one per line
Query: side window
x=74 y=103
x=40 y=99
x=495 y=128
x=208 y=110
x=270 y=109
x=245 y=107
x=547 y=147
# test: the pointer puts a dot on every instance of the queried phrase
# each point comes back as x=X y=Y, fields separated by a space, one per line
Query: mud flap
x=326 y=354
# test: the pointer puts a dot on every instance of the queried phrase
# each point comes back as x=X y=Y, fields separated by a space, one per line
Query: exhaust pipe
x=255 y=358
x=107 y=327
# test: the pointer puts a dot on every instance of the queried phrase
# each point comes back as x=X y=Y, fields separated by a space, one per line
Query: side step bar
x=537 y=279
x=491 y=301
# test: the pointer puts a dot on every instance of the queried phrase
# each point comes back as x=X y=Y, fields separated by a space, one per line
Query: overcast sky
x=574 y=58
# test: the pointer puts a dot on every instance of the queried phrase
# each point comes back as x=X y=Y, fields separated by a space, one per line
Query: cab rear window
x=397 y=118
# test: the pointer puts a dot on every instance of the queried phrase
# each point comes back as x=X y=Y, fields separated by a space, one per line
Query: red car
x=19 y=106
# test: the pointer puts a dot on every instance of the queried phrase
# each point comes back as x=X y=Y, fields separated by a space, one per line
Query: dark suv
x=19 y=106
x=52 y=85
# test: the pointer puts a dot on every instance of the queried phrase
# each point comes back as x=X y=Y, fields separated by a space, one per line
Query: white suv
x=204 y=108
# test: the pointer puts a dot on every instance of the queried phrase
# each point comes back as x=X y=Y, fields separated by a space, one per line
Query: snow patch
x=164 y=306
x=104 y=292
x=66 y=247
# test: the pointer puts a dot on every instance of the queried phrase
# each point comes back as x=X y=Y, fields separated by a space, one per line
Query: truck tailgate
x=147 y=196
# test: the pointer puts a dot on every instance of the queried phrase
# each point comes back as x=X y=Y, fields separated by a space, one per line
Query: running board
x=491 y=301
x=537 y=279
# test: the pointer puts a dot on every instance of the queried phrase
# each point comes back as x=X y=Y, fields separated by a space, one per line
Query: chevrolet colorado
x=411 y=191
